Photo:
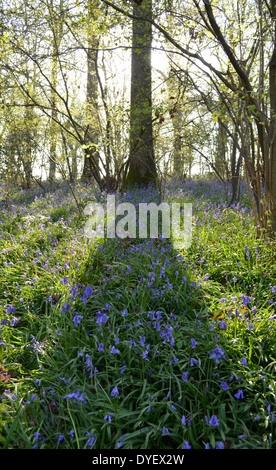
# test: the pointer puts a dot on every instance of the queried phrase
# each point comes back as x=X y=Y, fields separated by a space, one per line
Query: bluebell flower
x=185 y=376
x=165 y=431
x=114 y=392
x=183 y=421
x=213 y=421
x=220 y=445
x=217 y=354
x=224 y=385
x=244 y=361
x=108 y=418
x=60 y=438
x=77 y=395
x=91 y=441
x=77 y=319
x=88 y=291
x=120 y=443
x=239 y=394
x=186 y=445
x=123 y=369
x=114 y=350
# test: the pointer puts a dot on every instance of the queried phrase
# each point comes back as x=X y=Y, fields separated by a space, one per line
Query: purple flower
x=213 y=421
x=65 y=307
x=193 y=342
x=185 y=376
x=102 y=318
x=145 y=355
x=220 y=445
x=244 y=361
x=91 y=441
x=224 y=385
x=101 y=347
x=77 y=319
x=123 y=369
x=88 y=291
x=114 y=350
x=114 y=392
x=77 y=395
x=120 y=443
x=239 y=394
x=165 y=432
x=217 y=354
x=186 y=445
x=183 y=421
x=60 y=438
x=108 y=418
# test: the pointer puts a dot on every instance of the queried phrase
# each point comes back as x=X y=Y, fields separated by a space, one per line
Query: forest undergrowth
x=129 y=343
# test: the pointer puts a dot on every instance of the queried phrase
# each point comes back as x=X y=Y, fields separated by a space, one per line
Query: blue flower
x=108 y=418
x=120 y=443
x=217 y=354
x=244 y=361
x=114 y=350
x=88 y=291
x=224 y=385
x=213 y=421
x=165 y=432
x=114 y=392
x=91 y=441
x=76 y=394
x=185 y=376
x=239 y=394
x=123 y=369
x=186 y=445
x=101 y=347
x=60 y=438
x=220 y=445
x=77 y=319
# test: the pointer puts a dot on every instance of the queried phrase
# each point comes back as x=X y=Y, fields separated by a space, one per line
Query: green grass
x=183 y=336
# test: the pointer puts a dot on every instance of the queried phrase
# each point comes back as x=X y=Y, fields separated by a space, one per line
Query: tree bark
x=142 y=169
x=272 y=153
x=91 y=157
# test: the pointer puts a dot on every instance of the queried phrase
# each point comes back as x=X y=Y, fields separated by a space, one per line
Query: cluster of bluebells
x=153 y=337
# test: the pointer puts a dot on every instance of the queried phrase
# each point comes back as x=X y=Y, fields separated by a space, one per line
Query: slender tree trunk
x=142 y=169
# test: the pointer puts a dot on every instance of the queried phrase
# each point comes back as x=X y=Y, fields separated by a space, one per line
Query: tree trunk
x=142 y=169
x=272 y=153
x=91 y=157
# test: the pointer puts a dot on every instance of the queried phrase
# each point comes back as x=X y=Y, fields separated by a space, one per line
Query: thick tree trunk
x=272 y=153
x=142 y=169
x=91 y=157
